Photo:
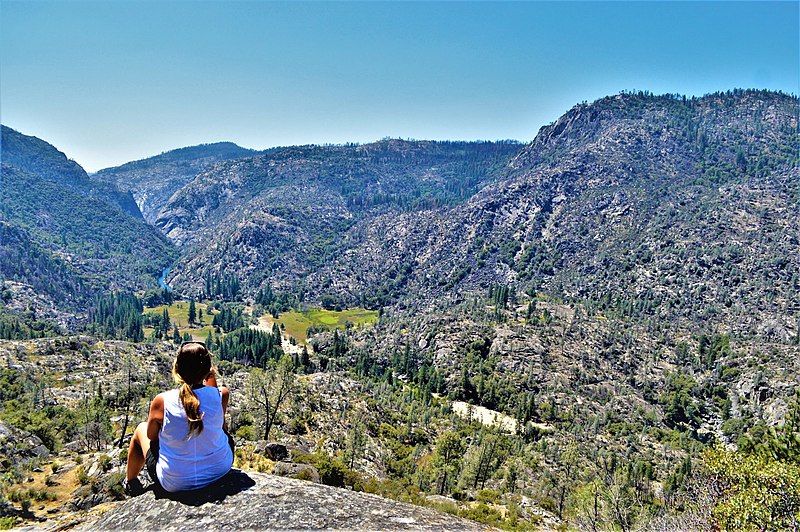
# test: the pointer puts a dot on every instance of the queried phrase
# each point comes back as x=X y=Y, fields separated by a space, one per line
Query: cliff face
x=155 y=179
x=261 y=501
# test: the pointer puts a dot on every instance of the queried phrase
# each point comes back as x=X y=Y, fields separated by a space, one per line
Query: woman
x=183 y=443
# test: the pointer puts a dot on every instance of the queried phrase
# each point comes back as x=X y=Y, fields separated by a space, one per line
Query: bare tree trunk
x=121 y=442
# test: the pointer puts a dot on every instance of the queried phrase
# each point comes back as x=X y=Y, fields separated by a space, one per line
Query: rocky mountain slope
x=661 y=207
x=667 y=207
x=153 y=180
x=67 y=235
x=281 y=215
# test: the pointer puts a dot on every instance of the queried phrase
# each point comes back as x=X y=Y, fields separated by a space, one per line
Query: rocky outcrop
x=260 y=501
x=17 y=446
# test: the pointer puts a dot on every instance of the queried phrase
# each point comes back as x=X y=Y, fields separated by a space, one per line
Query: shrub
x=246 y=432
x=757 y=492
x=113 y=485
x=331 y=471
x=488 y=496
x=105 y=462
x=81 y=475
x=305 y=474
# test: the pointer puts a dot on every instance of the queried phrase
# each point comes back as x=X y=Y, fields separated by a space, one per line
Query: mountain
x=67 y=235
x=283 y=215
x=672 y=208
x=661 y=206
x=155 y=179
x=35 y=156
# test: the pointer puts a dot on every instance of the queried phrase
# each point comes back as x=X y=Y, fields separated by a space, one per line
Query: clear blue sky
x=109 y=82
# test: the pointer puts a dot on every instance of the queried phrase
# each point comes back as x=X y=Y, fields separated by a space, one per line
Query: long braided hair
x=191 y=366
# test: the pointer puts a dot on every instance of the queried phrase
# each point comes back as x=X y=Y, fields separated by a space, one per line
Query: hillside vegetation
x=599 y=329
x=67 y=236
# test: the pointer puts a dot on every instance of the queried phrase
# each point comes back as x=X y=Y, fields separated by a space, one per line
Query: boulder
x=74 y=446
x=261 y=501
x=273 y=451
x=40 y=451
x=276 y=452
x=301 y=471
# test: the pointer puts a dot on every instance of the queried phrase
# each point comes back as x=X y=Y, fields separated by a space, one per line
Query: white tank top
x=186 y=463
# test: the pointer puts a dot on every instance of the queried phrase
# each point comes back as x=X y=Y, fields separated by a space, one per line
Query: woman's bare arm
x=155 y=418
x=225 y=397
x=211 y=378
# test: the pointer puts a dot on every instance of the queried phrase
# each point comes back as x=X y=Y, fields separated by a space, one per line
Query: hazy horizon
x=112 y=83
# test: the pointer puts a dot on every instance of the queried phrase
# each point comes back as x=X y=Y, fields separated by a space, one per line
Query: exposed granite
x=261 y=501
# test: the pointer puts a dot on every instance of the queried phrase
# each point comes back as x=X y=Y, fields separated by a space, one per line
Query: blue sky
x=109 y=82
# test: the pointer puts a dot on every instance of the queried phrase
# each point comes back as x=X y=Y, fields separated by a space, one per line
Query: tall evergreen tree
x=192 y=311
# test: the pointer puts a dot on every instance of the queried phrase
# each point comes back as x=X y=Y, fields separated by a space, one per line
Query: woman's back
x=184 y=462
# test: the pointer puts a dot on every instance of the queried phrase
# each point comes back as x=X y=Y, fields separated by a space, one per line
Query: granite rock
x=276 y=452
x=261 y=501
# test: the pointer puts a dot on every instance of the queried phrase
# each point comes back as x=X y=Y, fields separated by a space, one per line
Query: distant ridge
x=154 y=179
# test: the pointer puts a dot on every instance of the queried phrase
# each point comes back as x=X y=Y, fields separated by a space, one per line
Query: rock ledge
x=261 y=501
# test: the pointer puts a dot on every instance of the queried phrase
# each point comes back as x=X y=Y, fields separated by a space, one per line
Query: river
x=162 y=281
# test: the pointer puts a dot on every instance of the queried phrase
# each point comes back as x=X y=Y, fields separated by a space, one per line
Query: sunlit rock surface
x=261 y=501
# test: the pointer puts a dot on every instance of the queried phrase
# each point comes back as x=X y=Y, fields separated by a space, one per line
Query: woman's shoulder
x=167 y=396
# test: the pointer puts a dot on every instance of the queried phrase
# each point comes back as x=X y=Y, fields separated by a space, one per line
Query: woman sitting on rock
x=183 y=443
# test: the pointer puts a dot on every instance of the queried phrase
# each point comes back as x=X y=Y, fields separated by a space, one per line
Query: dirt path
x=492 y=418
x=265 y=324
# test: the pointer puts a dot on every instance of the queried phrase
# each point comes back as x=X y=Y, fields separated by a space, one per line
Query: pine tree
x=192 y=311
x=165 y=321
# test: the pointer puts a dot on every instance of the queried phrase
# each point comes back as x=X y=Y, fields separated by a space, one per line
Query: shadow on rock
x=233 y=482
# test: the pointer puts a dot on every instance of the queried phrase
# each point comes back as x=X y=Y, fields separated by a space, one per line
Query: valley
x=598 y=329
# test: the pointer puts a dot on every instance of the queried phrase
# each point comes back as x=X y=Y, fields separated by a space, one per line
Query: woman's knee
x=140 y=437
x=141 y=430
x=140 y=433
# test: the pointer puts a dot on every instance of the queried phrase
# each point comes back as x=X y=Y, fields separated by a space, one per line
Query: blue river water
x=162 y=281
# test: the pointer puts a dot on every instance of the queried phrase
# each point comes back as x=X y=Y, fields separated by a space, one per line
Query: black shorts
x=151 y=459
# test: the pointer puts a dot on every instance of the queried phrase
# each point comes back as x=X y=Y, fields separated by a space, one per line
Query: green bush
x=331 y=470
x=104 y=463
x=488 y=496
x=734 y=427
x=81 y=475
x=305 y=474
x=246 y=432
x=113 y=485
x=758 y=493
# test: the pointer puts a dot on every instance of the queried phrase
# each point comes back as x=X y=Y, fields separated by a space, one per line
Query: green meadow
x=297 y=322
x=179 y=314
